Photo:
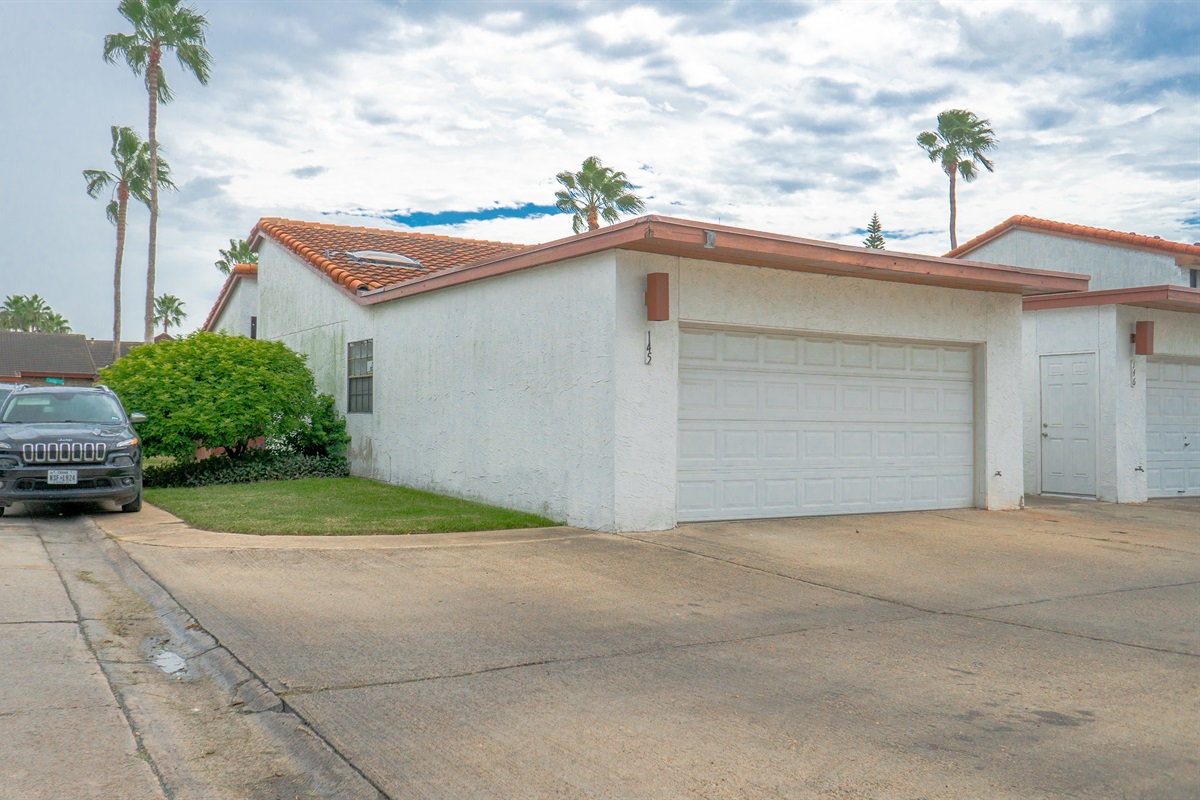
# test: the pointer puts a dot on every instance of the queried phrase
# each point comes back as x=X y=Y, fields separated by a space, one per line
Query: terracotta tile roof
x=325 y=247
x=1080 y=232
x=238 y=272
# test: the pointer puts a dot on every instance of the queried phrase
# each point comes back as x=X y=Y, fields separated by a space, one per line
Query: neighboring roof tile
x=1077 y=231
x=325 y=246
x=45 y=353
x=238 y=272
x=102 y=350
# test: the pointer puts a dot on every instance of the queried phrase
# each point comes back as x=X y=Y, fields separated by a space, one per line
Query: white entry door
x=1068 y=430
x=776 y=425
x=1172 y=428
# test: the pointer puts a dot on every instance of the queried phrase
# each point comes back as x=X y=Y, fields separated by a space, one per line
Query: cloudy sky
x=453 y=117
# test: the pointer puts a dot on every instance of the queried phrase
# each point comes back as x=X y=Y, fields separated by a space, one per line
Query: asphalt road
x=1053 y=652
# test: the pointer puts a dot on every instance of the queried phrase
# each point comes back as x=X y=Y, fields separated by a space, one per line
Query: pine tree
x=874 y=238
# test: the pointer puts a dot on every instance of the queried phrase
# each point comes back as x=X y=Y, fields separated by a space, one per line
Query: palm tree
x=168 y=309
x=131 y=159
x=54 y=323
x=596 y=192
x=158 y=25
x=31 y=314
x=239 y=252
x=959 y=143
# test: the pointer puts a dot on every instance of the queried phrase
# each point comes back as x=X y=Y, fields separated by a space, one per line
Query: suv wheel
x=135 y=504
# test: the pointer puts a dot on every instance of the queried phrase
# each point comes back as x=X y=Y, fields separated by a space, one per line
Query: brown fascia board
x=28 y=373
x=685 y=238
x=1163 y=298
x=236 y=276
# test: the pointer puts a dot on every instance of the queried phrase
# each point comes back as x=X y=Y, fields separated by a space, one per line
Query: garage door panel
x=773 y=444
x=709 y=394
x=735 y=496
x=1172 y=428
x=775 y=425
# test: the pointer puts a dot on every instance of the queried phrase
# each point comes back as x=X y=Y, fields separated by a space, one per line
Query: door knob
x=1045 y=434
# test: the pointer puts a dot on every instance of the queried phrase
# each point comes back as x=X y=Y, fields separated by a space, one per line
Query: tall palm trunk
x=122 y=205
x=953 y=210
x=152 y=83
x=593 y=217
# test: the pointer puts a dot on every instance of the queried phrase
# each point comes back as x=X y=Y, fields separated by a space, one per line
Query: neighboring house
x=660 y=370
x=60 y=359
x=236 y=309
x=69 y=359
x=102 y=351
x=1106 y=417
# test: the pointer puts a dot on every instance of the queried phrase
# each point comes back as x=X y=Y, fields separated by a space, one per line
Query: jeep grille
x=64 y=452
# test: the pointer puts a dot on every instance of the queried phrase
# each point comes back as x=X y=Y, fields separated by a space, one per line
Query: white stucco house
x=1106 y=416
x=236 y=309
x=660 y=370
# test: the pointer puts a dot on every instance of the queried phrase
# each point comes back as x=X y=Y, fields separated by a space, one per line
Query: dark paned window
x=254 y=327
x=360 y=367
x=1195 y=278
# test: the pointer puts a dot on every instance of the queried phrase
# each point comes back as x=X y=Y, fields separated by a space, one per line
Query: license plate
x=62 y=476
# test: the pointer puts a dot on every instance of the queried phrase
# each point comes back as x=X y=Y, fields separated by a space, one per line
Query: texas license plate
x=62 y=476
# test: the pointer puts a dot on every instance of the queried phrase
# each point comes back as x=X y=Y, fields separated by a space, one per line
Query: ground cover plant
x=256 y=465
x=332 y=506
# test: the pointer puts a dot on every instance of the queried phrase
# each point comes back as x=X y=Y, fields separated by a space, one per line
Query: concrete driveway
x=1045 y=653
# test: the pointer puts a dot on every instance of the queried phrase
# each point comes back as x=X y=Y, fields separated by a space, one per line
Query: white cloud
x=803 y=124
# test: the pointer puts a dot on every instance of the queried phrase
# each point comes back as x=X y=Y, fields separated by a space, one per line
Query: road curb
x=326 y=769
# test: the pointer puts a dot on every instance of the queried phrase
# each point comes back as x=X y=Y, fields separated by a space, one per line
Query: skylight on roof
x=381 y=257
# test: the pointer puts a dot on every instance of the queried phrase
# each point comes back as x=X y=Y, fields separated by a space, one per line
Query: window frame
x=360 y=377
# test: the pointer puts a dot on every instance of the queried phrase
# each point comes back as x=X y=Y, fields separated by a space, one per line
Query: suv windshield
x=34 y=409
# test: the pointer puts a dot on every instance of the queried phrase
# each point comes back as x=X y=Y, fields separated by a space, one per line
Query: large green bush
x=212 y=390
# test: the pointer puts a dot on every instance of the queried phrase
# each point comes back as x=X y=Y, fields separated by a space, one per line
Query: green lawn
x=339 y=506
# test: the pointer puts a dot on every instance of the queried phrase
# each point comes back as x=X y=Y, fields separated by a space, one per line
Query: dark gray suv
x=66 y=444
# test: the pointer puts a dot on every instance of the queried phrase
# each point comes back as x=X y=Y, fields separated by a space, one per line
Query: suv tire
x=133 y=505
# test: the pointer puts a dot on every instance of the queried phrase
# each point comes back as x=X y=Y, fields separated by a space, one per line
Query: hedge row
x=257 y=465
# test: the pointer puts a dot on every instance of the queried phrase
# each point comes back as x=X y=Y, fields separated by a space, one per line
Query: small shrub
x=324 y=431
x=250 y=467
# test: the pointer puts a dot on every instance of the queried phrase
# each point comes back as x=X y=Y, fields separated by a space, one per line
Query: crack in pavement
x=1085 y=594
x=42 y=622
x=967 y=614
x=307 y=690
x=20 y=712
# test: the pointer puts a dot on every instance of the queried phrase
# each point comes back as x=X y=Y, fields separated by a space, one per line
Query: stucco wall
x=532 y=391
x=1121 y=390
x=723 y=294
x=498 y=390
x=242 y=304
x=1111 y=267
x=502 y=390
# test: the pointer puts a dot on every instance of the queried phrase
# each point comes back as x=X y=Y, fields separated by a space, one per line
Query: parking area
x=1046 y=653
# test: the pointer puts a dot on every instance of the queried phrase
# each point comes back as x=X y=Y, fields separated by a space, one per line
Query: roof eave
x=1185 y=255
x=236 y=275
x=1163 y=298
x=685 y=238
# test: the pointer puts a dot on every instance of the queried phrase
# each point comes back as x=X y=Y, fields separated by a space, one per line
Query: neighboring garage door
x=1172 y=428
x=778 y=426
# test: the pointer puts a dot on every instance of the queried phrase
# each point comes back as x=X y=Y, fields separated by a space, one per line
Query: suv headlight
x=126 y=443
x=5 y=446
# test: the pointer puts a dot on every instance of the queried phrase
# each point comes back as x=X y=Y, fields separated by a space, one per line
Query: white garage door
x=1172 y=428
x=780 y=426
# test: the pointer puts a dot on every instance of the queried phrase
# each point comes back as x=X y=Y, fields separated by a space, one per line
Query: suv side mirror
x=137 y=419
